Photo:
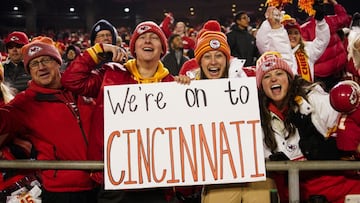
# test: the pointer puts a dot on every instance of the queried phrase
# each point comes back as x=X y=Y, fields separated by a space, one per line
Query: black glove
x=319 y=9
x=105 y=56
x=312 y=143
x=278 y=156
x=355 y=20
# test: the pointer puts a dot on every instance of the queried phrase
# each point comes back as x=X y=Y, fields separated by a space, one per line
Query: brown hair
x=297 y=87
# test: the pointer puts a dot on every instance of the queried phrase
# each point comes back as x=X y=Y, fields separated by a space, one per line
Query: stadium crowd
x=307 y=77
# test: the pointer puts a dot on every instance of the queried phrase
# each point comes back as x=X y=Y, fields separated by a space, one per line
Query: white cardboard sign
x=168 y=134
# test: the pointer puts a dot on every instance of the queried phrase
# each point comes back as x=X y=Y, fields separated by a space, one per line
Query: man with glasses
x=56 y=122
x=242 y=43
x=14 y=71
x=103 y=32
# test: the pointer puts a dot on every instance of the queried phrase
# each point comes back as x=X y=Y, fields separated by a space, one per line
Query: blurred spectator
x=180 y=29
x=242 y=43
x=329 y=68
x=3 y=51
x=345 y=98
x=14 y=70
x=272 y=36
x=305 y=53
x=70 y=54
x=174 y=58
x=103 y=32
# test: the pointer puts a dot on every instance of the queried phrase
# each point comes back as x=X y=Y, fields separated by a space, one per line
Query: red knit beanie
x=145 y=27
x=40 y=46
x=211 y=38
x=270 y=61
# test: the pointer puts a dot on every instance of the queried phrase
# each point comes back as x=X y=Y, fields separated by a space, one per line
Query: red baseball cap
x=17 y=37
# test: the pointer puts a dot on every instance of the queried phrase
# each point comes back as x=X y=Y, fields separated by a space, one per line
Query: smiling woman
x=299 y=124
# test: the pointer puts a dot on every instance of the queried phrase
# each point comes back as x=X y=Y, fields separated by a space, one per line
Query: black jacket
x=243 y=45
x=16 y=75
x=169 y=61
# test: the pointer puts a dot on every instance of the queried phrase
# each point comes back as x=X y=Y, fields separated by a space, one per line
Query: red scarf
x=278 y=112
x=303 y=65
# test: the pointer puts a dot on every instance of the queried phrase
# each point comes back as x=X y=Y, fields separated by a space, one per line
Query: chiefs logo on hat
x=14 y=38
x=214 y=43
x=268 y=64
x=33 y=50
x=143 y=29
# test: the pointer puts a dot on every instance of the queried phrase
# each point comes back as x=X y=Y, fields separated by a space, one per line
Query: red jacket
x=348 y=131
x=334 y=58
x=55 y=129
x=165 y=25
x=80 y=78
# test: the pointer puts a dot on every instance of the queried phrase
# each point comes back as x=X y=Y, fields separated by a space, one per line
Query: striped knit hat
x=210 y=39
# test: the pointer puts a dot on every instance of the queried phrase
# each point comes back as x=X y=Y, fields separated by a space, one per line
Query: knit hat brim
x=211 y=38
x=270 y=61
x=145 y=27
x=102 y=25
x=40 y=46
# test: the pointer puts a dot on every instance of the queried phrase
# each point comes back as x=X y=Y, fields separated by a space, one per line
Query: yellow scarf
x=161 y=72
x=303 y=65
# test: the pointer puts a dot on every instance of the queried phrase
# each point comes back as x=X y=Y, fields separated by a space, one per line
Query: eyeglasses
x=103 y=35
x=43 y=61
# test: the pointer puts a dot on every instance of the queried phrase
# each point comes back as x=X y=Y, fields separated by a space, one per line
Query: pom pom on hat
x=212 y=25
x=17 y=37
x=211 y=38
x=102 y=25
x=40 y=46
x=145 y=27
x=270 y=61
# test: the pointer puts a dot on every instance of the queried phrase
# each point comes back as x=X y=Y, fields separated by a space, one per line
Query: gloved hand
x=278 y=156
x=355 y=20
x=319 y=9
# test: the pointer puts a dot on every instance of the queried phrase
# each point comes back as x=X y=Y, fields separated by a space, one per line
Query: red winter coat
x=348 y=131
x=165 y=25
x=334 y=58
x=55 y=129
